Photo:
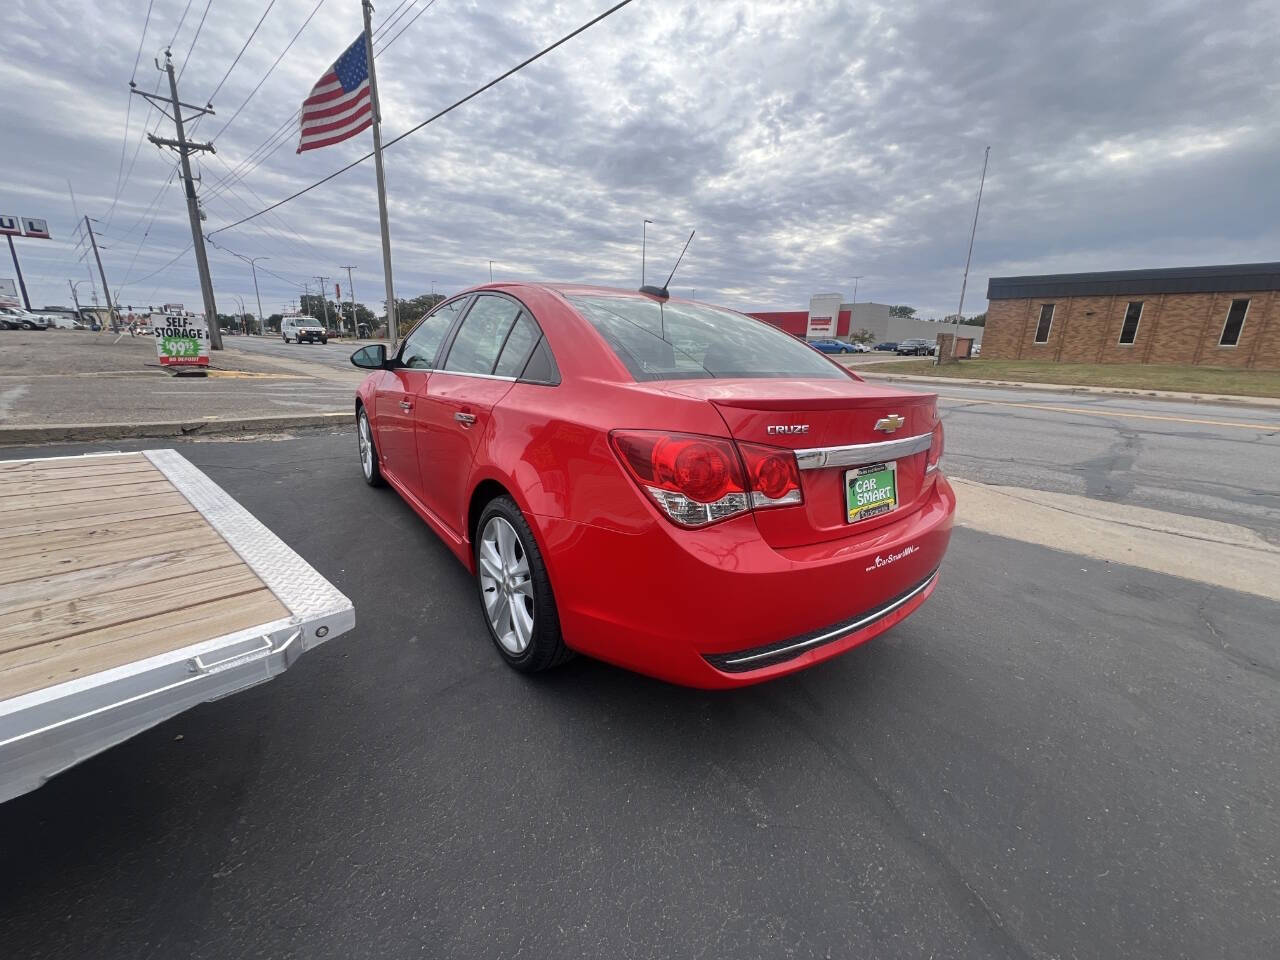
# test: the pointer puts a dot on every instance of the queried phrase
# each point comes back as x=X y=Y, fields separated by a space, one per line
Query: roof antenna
x=661 y=292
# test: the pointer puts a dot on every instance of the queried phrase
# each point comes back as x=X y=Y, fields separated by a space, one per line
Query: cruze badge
x=775 y=429
x=890 y=423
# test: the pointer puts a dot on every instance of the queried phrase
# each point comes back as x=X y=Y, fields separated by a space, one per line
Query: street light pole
x=644 y=242
x=351 y=288
x=853 y=307
x=491 y=271
x=253 y=266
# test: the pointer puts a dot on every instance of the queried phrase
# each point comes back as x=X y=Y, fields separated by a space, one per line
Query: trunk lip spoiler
x=857 y=454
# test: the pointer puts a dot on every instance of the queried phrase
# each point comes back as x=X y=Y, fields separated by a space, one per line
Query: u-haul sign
x=9 y=225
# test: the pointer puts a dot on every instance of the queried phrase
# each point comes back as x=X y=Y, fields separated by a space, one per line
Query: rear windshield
x=680 y=341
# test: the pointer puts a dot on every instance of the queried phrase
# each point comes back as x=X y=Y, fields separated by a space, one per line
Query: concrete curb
x=1079 y=388
x=85 y=432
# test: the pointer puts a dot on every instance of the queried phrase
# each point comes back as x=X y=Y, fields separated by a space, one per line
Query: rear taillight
x=773 y=476
x=697 y=480
x=935 y=448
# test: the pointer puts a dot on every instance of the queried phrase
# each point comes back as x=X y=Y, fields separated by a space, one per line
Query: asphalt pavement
x=1052 y=758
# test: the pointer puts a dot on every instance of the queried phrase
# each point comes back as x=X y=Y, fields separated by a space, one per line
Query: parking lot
x=1057 y=756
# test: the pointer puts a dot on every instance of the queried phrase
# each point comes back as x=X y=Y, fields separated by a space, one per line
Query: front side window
x=1235 y=323
x=1045 y=324
x=1132 y=317
x=674 y=341
x=422 y=346
x=482 y=335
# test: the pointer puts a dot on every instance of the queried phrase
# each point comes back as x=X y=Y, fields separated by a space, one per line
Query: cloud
x=806 y=141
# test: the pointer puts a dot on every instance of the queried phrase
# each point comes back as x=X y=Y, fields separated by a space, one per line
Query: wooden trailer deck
x=103 y=562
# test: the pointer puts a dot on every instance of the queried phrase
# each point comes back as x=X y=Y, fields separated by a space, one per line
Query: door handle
x=406 y=405
x=466 y=419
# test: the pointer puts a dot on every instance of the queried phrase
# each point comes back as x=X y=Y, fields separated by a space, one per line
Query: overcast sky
x=808 y=142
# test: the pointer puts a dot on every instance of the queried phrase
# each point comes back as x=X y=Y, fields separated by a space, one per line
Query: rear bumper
x=721 y=608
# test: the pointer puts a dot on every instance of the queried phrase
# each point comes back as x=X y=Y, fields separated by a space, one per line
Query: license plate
x=871 y=490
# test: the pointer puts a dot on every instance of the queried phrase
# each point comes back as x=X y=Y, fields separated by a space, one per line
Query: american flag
x=338 y=106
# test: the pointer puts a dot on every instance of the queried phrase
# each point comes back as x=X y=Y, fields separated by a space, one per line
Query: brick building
x=1220 y=316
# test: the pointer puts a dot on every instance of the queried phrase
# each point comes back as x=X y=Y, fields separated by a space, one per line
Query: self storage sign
x=181 y=341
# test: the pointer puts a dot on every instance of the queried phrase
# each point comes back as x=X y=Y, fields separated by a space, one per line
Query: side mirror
x=372 y=357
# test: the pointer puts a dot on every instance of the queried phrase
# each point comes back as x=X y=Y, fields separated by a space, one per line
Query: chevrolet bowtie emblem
x=890 y=423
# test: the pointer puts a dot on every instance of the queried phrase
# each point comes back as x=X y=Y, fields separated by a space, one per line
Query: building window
x=1046 y=321
x=1132 y=317
x=1235 y=323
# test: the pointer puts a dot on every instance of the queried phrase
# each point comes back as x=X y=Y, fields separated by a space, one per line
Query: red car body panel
x=631 y=586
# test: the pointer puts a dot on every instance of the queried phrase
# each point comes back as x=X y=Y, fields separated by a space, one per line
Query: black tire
x=369 y=468
x=546 y=647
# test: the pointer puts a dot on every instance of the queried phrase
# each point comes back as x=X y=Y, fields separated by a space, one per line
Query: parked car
x=778 y=509
x=860 y=348
x=976 y=350
x=303 y=330
x=18 y=319
x=832 y=346
x=916 y=347
x=887 y=345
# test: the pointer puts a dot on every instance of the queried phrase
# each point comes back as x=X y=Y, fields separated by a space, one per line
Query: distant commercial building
x=1219 y=316
x=829 y=316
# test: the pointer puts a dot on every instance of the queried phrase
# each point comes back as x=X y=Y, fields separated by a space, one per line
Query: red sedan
x=665 y=485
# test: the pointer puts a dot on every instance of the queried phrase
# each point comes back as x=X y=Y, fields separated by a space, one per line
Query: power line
x=281 y=134
x=199 y=27
x=318 y=5
x=252 y=34
x=406 y=26
x=449 y=109
x=393 y=18
x=128 y=110
x=181 y=21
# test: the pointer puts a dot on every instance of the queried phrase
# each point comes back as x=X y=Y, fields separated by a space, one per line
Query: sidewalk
x=1271 y=402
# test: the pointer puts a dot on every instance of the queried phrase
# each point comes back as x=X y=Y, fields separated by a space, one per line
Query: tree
x=861 y=336
x=976 y=321
x=273 y=321
x=408 y=311
x=902 y=310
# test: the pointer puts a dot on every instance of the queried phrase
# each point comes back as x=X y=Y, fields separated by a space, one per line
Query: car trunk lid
x=835 y=427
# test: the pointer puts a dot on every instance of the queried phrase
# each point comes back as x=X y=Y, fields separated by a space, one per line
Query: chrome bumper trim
x=855 y=455
x=756 y=657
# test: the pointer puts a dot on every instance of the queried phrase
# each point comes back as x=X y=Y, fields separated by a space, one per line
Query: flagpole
x=392 y=327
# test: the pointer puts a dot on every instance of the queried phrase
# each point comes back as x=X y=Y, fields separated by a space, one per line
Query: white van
x=296 y=329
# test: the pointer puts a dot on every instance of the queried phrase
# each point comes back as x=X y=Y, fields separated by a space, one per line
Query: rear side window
x=482 y=335
x=680 y=341
x=516 y=350
x=422 y=346
x=541 y=367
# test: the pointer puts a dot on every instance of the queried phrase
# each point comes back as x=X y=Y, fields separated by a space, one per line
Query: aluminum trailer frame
x=46 y=731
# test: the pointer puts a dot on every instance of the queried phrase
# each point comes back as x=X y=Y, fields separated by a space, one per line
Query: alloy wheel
x=506 y=585
x=366 y=446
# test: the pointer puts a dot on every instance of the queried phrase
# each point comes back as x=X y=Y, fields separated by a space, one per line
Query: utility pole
x=111 y=310
x=351 y=289
x=185 y=148
x=491 y=271
x=324 y=299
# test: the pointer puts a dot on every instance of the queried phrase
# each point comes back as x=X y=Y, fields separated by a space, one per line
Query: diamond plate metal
x=299 y=586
